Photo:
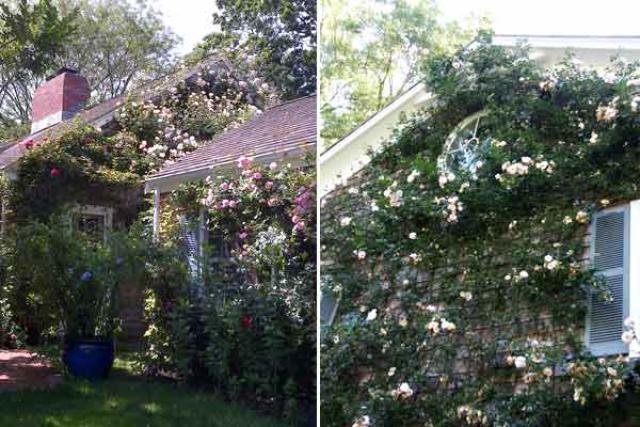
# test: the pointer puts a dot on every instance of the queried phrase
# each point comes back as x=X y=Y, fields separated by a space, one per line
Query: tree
x=372 y=52
x=115 y=44
x=122 y=44
x=275 y=37
x=31 y=38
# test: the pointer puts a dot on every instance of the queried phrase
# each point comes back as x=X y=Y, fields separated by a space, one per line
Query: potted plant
x=78 y=279
x=90 y=320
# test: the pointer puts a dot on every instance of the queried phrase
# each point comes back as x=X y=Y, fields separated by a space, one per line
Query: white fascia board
x=612 y=43
x=374 y=120
x=351 y=154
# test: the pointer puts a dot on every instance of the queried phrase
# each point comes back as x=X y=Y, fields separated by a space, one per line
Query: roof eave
x=168 y=183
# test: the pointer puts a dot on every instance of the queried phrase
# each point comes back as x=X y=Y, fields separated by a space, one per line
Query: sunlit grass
x=124 y=400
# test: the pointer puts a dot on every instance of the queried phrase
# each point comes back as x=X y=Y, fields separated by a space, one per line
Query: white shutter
x=609 y=256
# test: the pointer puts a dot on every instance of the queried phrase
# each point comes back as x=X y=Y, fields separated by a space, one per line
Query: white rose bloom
x=523 y=275
x=629 y=322
x=467 y=296
x=627 y=337
x=372 y=315
x=404 y=391
x=363 y=421
x=392 y=371
x=360 y=254
x=520 y=362
x=448 y=326
x=433 y=327
x=582 y=217
x=413 y=236
x=345 y=221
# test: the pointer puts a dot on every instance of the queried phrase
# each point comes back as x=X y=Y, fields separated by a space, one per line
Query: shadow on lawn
x=124 y=400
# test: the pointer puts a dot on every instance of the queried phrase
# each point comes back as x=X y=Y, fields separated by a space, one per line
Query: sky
x=189 y=19
x=544 y=17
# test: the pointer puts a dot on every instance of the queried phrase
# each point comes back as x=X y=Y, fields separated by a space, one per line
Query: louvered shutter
x=609 y=248
x=328 y=306
x=190 y=243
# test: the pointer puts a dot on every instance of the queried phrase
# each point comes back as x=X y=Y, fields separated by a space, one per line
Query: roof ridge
x=289 y=101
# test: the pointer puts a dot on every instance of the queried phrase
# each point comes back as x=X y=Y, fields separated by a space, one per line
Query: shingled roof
x=285 y=128
x=102 y=113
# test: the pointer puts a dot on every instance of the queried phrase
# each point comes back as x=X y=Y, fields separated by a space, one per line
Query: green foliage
x=79 y=166
x=59 y=277
x=463 y=290
x=371 y=52
x=123 y=44
x=246 y=326
x=11 y=335
x=275 y=39
x=32 y=35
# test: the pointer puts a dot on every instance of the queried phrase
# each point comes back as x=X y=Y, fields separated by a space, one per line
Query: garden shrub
x=463 y=292
x=246 y=325
x=59 y=281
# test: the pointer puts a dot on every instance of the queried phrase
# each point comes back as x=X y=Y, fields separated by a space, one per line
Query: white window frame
x=476 y=117
x=105 y=212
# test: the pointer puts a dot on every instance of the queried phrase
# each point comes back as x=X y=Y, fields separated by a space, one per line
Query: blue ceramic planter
x=90 y=359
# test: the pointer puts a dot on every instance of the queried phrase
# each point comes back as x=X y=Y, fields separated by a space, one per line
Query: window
x=464 y=145
x=192 y=237
x=328 y=308
x=93 y=221
x=609 y=254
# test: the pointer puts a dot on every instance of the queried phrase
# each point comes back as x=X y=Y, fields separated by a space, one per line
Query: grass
x=121 y=401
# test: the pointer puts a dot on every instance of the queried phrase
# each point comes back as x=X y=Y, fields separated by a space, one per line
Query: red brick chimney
x=59 y=98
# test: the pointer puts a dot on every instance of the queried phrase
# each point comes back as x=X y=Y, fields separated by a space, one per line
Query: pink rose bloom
x=242 y=235
x=28 y=144
x=271 y=202
x=295 y=219
x=269 y=185
x=225 y=203
x=299 y=226
x=224 y=186
x=247 y=173
x=233 y=203
x=54 y=172
x=257 y=175
x=273 y=166
x=244 y=162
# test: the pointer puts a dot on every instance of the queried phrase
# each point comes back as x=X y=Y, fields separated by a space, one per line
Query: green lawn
x=124 y=400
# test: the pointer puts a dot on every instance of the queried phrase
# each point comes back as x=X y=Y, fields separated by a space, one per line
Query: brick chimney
x=59 y=98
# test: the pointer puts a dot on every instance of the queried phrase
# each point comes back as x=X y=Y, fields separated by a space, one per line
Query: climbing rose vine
x=249 y=328
x=463 y=285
